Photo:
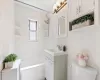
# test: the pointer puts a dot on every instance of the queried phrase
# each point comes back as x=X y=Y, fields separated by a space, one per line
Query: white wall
x=31 y=53
x=53 y=40
x=6 y=27
x=86 y=39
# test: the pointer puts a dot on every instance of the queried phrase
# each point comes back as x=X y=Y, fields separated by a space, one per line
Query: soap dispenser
x=64 y=48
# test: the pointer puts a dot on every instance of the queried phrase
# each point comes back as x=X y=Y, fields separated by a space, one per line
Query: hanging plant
x=83 y=19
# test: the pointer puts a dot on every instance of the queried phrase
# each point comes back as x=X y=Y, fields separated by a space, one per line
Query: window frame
x=30 y=20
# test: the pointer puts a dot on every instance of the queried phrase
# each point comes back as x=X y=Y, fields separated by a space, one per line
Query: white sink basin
x=54 y=52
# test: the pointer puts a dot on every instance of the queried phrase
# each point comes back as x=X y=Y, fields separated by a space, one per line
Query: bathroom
x=30 y=48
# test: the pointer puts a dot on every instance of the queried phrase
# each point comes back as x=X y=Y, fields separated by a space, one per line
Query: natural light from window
x=32 y=30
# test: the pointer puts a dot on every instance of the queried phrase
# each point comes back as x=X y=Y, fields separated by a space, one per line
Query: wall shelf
x=83 y=21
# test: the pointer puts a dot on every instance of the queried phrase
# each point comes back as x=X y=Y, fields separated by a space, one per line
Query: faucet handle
x=59 y=47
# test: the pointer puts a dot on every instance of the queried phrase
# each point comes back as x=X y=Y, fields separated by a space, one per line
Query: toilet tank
x=83 y=73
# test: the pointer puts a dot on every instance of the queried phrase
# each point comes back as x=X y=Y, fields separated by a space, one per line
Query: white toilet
x=83 y=73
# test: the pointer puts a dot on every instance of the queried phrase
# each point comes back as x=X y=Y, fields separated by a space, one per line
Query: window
x=32 y=30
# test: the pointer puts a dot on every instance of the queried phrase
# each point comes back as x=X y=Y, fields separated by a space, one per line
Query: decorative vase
x=13 y=64
x=82 y=63
x=9 y=64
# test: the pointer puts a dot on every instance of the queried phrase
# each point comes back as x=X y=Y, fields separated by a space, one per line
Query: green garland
x=83 y=19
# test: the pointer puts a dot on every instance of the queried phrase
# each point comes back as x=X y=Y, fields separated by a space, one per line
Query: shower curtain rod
x=31 y=5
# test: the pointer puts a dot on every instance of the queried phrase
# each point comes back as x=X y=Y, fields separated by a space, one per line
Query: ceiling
x=46 y=5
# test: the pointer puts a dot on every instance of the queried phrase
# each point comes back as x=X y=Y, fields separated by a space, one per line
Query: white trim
x=32 y=19
x=33 y=66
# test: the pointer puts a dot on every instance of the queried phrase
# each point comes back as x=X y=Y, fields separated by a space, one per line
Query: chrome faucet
x=62 y=47
x=59 y=47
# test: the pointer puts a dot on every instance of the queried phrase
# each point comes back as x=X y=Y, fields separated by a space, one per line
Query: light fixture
x=59 y=5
